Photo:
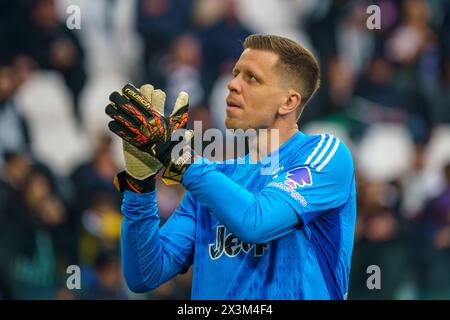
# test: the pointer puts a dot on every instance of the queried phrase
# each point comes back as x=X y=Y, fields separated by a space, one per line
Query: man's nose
x=234 y=85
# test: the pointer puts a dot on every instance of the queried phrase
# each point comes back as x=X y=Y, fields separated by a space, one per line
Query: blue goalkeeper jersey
x=252 y=231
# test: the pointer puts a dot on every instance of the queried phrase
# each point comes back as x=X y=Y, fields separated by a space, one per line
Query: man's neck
x=268 y=140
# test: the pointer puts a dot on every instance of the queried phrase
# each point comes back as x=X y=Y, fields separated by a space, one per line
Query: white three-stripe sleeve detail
x=316 y=149
x=330 y=155
x=324 y=151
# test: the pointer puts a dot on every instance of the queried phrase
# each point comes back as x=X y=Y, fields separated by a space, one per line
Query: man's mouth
x=232 y=104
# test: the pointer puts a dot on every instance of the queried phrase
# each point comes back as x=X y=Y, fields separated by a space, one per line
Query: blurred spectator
x=378 y=84
x=97 y=223
x=355 y=42
x=53 y=46
x=321 y=28
x=104 y=281
x=420 y=184
x=96 y=175
x=35 y=242
x=221 y=43
x=14 y=173
x=432 y=245
x=379 y=241
x=159 y=22
x=99 y=228
x=183 y=70
x=409 y=40
x=340 y=81
x=14 y=132
x=413 y=46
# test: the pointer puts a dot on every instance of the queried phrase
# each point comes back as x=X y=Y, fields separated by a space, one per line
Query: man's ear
x=291 y=102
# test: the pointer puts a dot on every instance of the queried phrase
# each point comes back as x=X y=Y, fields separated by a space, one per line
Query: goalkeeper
x=287 y=235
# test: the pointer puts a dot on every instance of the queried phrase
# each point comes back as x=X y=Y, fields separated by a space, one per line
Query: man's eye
x=252 y=78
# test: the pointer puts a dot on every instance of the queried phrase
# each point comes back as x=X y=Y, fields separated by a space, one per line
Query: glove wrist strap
x=123 y=181
x=173 y=174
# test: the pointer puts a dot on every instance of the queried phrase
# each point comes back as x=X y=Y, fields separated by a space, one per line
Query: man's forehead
x=255 y=58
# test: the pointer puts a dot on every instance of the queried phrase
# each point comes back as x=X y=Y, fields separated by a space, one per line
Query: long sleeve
x=150 y=255
x=252 y=217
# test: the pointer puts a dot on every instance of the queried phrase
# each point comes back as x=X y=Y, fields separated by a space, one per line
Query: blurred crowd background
x=385 y=92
